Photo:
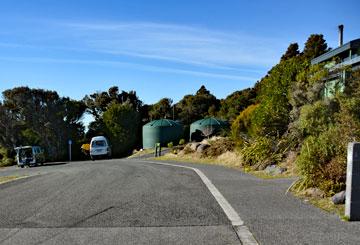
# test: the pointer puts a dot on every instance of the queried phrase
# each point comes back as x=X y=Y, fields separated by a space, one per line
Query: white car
x=99 y=148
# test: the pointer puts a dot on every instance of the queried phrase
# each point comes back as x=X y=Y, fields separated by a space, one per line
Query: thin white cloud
x=196 y=49
x=134 y=66
x=190 y=45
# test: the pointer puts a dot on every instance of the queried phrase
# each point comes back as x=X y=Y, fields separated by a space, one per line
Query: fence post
x=157 y=152
x=352 y=200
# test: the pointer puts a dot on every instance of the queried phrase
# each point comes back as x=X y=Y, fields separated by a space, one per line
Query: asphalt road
x=110 y=202
x=275 y=218
x=134 y=202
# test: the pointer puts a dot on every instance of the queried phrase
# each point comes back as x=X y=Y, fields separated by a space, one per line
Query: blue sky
x=158 y=48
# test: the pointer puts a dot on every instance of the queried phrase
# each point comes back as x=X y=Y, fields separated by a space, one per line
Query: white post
x=352 y=200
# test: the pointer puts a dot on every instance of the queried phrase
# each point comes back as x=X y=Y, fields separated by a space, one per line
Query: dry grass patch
x=228 y=159
x=4 y=179
x=263 y=175
x=141 y=153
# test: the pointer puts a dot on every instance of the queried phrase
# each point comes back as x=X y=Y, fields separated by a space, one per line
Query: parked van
x=29 y=156
x=99 y=147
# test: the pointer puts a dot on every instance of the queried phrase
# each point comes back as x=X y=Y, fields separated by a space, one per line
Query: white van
x=99 y=147
x=29 y=156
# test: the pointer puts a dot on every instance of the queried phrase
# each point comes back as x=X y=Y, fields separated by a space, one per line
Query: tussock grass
x=227 y=159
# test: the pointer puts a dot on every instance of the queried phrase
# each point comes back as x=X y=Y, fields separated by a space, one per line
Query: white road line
x=243 y=232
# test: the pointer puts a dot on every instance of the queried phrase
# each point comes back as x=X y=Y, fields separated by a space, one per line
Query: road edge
x=244 y=234
x=17 y=178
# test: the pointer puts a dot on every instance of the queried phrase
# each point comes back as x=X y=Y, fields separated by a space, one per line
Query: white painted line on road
x=245 y=235
x=243 y=232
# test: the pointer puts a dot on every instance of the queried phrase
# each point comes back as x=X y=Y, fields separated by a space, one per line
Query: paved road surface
x=133 y=202
x=274 y=218
x=113 y=202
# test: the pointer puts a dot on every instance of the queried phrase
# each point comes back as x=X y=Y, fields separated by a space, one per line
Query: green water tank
x=210 y=124
x=161 y=131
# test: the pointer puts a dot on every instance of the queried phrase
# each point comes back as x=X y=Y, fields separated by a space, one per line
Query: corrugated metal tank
x=196 y=128
x=161 y=131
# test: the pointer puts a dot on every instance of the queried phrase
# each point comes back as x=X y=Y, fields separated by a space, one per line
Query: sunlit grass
x=188 y=159
x=143 y=152
x=324 y=203
x=263 y=175
x=226 y=160
x=4 y=179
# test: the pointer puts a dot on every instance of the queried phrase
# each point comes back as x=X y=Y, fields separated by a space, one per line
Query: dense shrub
x=260 y=153
x=272 y=116
x=170 y=145
x=219 y=146
x=316 y=118
x=349 y=117
x=5 y=158
x=322 y=161
x=242 y=124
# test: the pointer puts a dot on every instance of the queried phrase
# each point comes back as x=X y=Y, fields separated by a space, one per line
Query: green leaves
x=97 y=103
x=161 y=109
x=236 y=102
x=315 y=46
x=122 y=124
x=37 y=116
x=194 y=107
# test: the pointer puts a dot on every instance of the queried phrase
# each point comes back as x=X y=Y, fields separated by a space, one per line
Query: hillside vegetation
x=291 y=116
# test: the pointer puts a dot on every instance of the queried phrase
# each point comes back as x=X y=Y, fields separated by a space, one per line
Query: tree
x=9 y=128
x=236 y=102
x=194 y=107
x=97 y=103
x=37 y=116
x=292 y=51
x=315 y=46
x=122 y=124
x=208 y=131
x=272 y=116
x=161 y=109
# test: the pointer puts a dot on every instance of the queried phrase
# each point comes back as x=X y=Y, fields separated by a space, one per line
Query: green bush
x=122 y=124
x=181 y=142
x=170 y=145
x=242 y=124
x=322 y=161
x=316 y=118
x=271 y=117
x=349 y=118
x=7 y=162
x=260 y=153
x=5 y=159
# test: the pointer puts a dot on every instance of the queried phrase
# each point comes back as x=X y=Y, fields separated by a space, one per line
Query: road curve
x=110 y=202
